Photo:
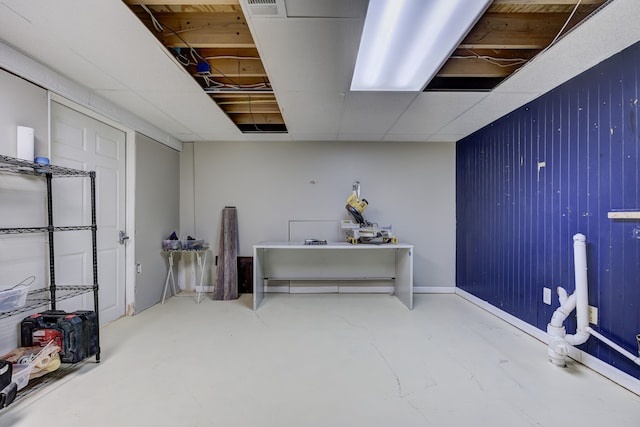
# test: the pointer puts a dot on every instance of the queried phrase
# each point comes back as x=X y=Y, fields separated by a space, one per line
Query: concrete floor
x=323 y=360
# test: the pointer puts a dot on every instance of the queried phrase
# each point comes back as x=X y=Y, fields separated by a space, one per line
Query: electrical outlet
x=139 y=268
x=593 y=315
x=546 y=296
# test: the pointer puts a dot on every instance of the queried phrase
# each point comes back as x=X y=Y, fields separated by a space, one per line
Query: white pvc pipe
x=559 y=341
x=582 y=291
x=567 y=304
x=615 y=346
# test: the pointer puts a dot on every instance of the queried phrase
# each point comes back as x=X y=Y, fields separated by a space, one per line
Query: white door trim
x=130 y=179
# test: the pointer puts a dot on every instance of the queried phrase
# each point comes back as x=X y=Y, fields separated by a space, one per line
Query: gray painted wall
x=157 y=215
x=408 y=185
x=22 y=198
x=22 y=104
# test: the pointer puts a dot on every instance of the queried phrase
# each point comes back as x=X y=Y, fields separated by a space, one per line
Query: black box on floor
x=69 y=324
x=89 y=331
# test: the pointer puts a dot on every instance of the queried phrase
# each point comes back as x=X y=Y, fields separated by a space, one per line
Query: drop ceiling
x=306 y=51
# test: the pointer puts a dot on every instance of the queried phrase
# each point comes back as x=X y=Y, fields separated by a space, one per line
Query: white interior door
x=82 y=142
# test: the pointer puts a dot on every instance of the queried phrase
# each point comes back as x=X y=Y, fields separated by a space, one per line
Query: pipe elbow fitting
x=580 y=337
x=556 y=331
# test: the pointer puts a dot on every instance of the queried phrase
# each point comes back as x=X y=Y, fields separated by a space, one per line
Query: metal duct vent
x=263 y=7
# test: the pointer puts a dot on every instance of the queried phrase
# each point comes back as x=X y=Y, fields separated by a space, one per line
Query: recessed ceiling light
x=405 y=42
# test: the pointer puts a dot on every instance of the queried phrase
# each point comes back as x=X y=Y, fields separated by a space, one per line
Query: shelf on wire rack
x=11 y=164
x=42 y=297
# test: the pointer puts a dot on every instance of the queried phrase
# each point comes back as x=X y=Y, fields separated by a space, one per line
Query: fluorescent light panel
x=405 y=42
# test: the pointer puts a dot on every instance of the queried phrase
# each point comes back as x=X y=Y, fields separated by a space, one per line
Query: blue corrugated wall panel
x=531 y=180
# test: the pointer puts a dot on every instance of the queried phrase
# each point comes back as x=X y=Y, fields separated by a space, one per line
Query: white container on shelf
x=25 y=138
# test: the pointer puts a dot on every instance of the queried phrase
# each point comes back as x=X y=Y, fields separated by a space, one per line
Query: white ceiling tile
x=303 y=117
x=326 y=8
x=308 y=54
x=432 y=111
x=373 y=113
x=489 y=109
x=199 y=113
x=143 y=108
x=101 y=45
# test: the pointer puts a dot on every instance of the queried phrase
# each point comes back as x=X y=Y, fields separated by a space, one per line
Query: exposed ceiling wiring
x=575 y=8
x=195 y=55
x=213 y=83
x=500 y=62
x=154 y=21
x=253 y=119
x=233 y=57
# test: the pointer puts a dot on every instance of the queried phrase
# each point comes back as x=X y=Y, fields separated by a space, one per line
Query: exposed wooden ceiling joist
x=507 y=36
x=203 y=30
x=525 y=27
x=258 y=119
x=182 y=2
x=212 y=41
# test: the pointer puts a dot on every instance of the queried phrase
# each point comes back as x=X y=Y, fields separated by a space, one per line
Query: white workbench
x=335 y=261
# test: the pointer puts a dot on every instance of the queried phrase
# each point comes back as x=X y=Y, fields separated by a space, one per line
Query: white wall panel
x=408 y=185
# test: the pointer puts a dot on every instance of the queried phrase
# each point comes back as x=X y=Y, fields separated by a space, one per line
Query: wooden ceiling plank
x=209 y=30
x=475 y=67
x=180 y=2
x=242 y=67
x=514 y=30
x=529 y=2
x=195 y=8
x=252 y=108
x=235 y=75
x=545 y=6
x=257 y=119
x=520 y=43
x=239 y=53
x=248 y=83
x=230 y=96
x=523 y=54
x=200 y=41
x=247 y=101
x=198 y=20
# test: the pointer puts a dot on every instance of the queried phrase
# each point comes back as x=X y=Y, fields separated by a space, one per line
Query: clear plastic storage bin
x=16 y=296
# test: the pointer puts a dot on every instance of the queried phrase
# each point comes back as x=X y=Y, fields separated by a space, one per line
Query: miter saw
x=359 y=230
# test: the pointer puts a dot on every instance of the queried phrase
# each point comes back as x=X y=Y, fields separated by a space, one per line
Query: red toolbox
x=39 y=329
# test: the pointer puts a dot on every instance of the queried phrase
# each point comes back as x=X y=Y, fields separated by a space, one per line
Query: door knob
x=123 y=237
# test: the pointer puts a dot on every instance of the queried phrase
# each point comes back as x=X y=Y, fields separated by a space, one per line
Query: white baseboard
x=276 y=289
x=617 y=376
x=335 y=289
x=434 y=290
x=355 y=289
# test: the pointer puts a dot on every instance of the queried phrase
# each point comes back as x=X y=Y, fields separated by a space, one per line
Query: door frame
x=130 y=179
